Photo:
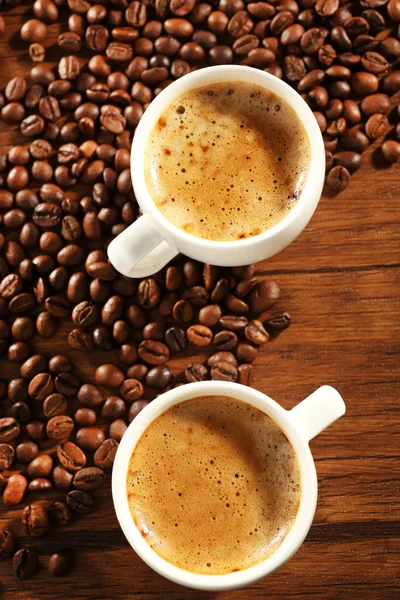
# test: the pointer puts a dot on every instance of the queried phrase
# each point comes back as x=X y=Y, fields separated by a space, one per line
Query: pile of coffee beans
x=341 y=56
x=59 y=434
x=65 y=192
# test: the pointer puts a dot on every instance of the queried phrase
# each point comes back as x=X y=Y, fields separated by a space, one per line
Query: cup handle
x=317 y=412
x=140 y=250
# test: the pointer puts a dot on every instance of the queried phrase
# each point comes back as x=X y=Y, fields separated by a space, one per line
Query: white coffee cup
x=152 y=241
x=300 y=425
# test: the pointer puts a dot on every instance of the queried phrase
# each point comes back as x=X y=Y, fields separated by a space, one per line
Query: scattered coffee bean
x=61 y=513
x=80 y=502
x=109 y=375
x=35 y=520
x=89 y=478
x=60 y=563
x=25 y=563
x=105 y=454
x=62 y=479
x=6 y=544
x=15 y=489
x=71 y=456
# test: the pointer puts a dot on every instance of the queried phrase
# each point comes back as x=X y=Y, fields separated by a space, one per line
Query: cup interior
x=308 y=498
x=218 y=74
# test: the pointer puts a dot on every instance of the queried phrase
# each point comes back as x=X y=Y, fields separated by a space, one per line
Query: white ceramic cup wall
x=152 y=241
x=300 y=425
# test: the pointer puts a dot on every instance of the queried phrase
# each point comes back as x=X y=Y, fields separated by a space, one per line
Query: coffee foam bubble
x=227 y=163
x=213 y=485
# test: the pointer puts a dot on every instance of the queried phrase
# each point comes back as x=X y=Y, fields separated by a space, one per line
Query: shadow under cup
x=308 y=497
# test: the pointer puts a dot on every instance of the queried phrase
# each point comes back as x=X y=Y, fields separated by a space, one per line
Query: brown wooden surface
x=340 y=281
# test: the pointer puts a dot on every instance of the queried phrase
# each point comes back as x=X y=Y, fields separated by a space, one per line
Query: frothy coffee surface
x=227 y=162
x=213 y=485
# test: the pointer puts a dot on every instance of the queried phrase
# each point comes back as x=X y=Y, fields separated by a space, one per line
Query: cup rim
x=308 y=498
x=310 y=195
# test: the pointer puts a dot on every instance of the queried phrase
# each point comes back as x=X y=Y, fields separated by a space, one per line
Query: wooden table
x=340 y=281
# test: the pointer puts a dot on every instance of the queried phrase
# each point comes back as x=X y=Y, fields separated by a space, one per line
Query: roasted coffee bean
x=245 y=374
x=182 y=311
x=338 y=178
x=351 y=112
x=224 y=357
x=391 y=150
x=62 y=479
x=154 y=331
x=109 y=375
x=246 y=353
x=375 y=103
x=225 y=340
x=210 y=315
x=118 y=428
x=233 y=322
x=113 y=408
x=135 y=409
x=10 y=286
x=363 y=83
x=58 y=364
x=17 y=390
x=66 y=383
x=131 y=390
x=26 y=451
x=224 y=371
x=60 y=563
x=391 y=83
x=41 y=386
x=84 y=417
x=236 y=305
x=9 y=429
x=256 y=333
x=264 y=296
x=33 y=366
x=15 y=489
x=60 y=427
x=80 y=340
x=90 y=438
x=153 y=352
x=6 y=456
x=39 y=484
x=40 y=466
x=6 y=544
x=196 y=372
x=373 y=62
x=89 y=478
x=277 y=322
x=18 y=352
x=348 y=159
x=61 y=513
x=84 y=314
x=25 y=563
x=80 y=502
x=137 y=371
x=90 y=395
x=35 y=520
x=176 y=339
x=105 y=454
x=199 y=335
x=35 y=430
x=55 y=404
x=159 y=377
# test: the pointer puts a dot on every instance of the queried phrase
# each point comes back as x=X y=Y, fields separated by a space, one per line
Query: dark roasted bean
x=196 y=372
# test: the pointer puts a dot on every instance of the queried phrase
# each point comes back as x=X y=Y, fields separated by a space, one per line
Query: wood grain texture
x=340 y=281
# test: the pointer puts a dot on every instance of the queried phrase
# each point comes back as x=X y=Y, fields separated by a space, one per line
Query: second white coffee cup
x=300 y=425
x=152 y=241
